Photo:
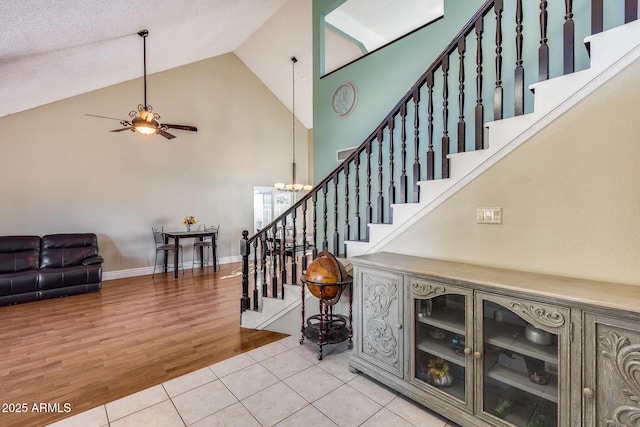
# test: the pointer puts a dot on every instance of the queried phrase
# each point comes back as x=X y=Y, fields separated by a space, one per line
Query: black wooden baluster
x=461 y=125
x=403 y=138
x=347 y=231
x=314 y=198
x=431 y=156
x=263 y=266
x=244 y=251
x=416 y=145
x=255 y=274
x=445 y=117
x=274 y=261
x=336 y=235
x=597 y=16
x=543 y=51
x=519 y=72
x=380 y=216
x=569 y=38
x=392 y=188
x=265 y=272
x=325 y=242
x=356 y=225
x=498 y=91
x=294 y=237
x=479 y=118
x=304 y=236
x=283 y=258
x=630 y=10
x=369 y=209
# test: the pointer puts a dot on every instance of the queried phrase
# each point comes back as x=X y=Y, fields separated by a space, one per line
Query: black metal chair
x=206 y=244
x=164 y=248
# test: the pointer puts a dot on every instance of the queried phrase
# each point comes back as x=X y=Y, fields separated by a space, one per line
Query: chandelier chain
x=293 y=99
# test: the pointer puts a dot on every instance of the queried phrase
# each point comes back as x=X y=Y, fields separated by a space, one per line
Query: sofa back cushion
x=65 y=250
x=19 y=253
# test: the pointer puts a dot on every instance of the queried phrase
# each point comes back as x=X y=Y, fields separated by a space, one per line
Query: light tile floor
x=280 y=384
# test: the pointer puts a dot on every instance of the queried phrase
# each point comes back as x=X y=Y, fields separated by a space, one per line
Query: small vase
x=443 y=381
x=188 y=227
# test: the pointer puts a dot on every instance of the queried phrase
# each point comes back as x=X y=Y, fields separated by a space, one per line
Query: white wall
x=570 y=198
x=62 y=171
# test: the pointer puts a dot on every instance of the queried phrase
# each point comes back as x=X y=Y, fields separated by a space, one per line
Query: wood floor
x=135 y=333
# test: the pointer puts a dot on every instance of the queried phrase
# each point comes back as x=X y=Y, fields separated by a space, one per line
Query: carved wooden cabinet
x=490 y=347
x=380 y=341
x=611 y=389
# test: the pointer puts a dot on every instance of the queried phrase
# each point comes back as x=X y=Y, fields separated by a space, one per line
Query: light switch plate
x=489 y=215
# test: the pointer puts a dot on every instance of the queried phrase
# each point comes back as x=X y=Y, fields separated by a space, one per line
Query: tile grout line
x=173 y=403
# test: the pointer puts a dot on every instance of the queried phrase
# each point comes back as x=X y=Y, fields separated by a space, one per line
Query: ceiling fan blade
x=182 y=127
x=103 y=117
x=120 y=130
x=166 y=134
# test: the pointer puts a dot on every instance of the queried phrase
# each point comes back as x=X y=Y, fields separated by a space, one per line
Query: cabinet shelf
x=456 y=389
x=511 y=337
x=441 y=349
x=520 y=381
x=448 y=319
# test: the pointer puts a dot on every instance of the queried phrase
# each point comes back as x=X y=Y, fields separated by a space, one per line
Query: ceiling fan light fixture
x=145 y=129
x=143 y=120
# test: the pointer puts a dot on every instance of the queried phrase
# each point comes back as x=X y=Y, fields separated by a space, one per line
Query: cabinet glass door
x=520 y=364
x=440 y=336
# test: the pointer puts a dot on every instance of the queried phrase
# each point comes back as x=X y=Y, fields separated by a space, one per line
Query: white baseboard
x=144 y=271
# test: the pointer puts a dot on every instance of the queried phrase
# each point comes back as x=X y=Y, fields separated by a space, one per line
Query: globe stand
x=327 y=327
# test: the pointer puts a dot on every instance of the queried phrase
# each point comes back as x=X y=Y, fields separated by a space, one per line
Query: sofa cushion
x=18 y=282
x=19 y=253
x=52 y=278
x=65 y=250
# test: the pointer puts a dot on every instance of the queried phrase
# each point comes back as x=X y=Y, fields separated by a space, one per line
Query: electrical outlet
x=489 y=215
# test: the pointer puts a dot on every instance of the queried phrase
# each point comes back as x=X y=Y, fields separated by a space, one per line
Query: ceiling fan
x=144 y=120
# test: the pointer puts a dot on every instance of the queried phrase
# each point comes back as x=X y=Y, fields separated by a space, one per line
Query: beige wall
x=571 y=198
x=62 y=171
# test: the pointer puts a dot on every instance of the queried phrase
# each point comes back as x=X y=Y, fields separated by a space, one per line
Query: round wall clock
x=344 y=99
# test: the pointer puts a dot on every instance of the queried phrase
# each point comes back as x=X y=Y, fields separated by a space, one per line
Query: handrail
x=370 y=173
x=486 y=8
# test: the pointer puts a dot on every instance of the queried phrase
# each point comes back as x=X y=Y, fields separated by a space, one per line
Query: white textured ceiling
x=55 y=49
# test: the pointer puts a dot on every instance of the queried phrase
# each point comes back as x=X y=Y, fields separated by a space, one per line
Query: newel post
x=245 y=250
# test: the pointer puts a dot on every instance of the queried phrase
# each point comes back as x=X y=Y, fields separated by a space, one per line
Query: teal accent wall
x=381 y=78
x=384 y=76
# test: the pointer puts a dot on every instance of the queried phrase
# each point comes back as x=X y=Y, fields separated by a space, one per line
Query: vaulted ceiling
x=52 y=50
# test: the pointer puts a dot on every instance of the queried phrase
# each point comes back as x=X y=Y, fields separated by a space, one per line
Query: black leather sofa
x=56 y=265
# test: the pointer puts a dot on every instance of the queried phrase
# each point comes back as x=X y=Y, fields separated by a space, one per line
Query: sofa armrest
x=92 y=260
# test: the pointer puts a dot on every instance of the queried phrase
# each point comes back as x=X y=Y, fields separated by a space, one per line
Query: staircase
x=552 y=98
x=351 y=225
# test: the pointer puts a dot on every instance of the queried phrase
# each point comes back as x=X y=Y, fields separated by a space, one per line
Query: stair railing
x=380 y=173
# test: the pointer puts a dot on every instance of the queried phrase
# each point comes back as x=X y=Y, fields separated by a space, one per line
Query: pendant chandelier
x=294 y=185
